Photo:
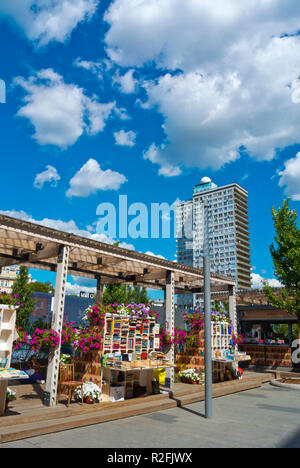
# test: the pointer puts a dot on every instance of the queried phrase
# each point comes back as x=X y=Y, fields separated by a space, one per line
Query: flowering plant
x=238 y=339
x=44 y=338
x=12 y=300
x=96 y=314
x=88 y=340
x=23 y=339
x=188 y=375
x=68 y=333
x=196 y=318
x=134 y=310
x=90 y=390
x=192 y=342
x=10 y=395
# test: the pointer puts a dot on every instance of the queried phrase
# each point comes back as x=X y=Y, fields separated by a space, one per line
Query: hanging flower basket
x=42 y=339
x=22 y=340
x=88 y=340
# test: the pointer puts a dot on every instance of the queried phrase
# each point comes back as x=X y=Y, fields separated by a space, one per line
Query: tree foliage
x=123 y=294
x=37 y=286
x=285 y=253
x=22 y=287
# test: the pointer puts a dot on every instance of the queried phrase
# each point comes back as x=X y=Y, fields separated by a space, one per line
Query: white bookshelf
x=7 y=329
x=220 y=339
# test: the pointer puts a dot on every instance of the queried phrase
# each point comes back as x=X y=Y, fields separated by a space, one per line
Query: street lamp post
x=207 y=313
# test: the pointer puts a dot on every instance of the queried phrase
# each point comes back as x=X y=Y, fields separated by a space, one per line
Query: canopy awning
x=37 y=246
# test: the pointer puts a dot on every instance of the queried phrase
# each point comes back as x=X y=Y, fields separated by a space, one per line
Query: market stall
x=124 y=365
x=225 y=356
x=37 y=246
x=268 y=335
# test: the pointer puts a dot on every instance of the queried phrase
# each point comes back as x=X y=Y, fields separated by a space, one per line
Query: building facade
x=7 y=278
x=228 y=231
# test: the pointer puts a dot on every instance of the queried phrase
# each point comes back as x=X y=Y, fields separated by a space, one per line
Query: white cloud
x=60 y=113
x=127 y=82
x=290 y=178
x=65 y=226
x=125 y=138
x=234 y=80
x=91 y=178
x=50 y=175
x=44 y=21
x=176 y=34
x=154 y=255
x=96 y=68
x=153 y=154
x=76 y=289
x=257 y=281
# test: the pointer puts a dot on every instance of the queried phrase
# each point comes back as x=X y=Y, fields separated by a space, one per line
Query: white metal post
x=170 y=323
x=232 y=308
x=207 y=319
x=57 y=324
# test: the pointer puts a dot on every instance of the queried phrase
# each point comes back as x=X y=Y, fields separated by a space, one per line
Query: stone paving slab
x=265 y=417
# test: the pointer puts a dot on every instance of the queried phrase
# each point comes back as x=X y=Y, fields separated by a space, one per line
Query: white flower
x=90 y=389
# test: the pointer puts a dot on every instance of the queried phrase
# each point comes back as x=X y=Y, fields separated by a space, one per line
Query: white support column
x=232 y=308
x=57 y=324
x=170 y=323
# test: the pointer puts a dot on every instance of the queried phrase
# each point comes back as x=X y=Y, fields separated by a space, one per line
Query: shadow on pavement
x=292 y=442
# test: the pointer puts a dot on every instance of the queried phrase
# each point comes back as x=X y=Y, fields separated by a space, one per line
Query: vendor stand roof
x=37 y=246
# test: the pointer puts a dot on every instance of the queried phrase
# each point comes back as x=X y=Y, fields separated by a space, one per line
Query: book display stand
x=129 y=355
x=7 y=329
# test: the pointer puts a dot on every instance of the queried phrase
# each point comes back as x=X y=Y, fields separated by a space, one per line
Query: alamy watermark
x=296 y=353
x=2 y=92
x=138 y=221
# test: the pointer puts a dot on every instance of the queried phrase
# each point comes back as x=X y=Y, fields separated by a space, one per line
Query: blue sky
x=144 y=98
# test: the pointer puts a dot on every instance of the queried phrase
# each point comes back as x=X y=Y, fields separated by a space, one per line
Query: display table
x=12 y=374
x=118 y=388
x=236 y=359
x=269 y=355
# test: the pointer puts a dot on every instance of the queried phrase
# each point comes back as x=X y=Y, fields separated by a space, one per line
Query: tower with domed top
x=229 y=243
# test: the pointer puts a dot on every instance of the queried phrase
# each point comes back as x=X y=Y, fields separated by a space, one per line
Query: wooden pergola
x=40 y=247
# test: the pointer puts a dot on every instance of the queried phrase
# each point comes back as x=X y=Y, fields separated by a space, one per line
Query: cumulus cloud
x=228 y=76
x=290 y=178
x=176 y=34
x=60 y=113
x=96 y=68
x=44 y=21
x=257 y=281
x=50 y=175
x=124 y=138
x=66 y=226
x=126 y=82
x=91 y=178
x=154 y=154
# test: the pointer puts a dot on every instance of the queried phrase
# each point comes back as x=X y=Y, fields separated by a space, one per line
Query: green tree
x=286 y=258
x=37 y=286
x=115 y=293
x=22 y=288
x=123 y=294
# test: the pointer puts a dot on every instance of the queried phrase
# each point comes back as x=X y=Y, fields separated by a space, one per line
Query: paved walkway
x=265 y=417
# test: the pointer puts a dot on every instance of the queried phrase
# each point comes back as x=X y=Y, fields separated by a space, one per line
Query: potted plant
x=10 y=396
x=91 y=393
x=189 y=376
x=10 y=300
